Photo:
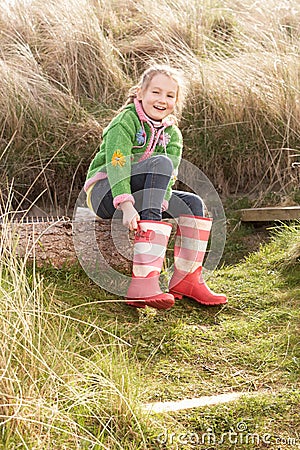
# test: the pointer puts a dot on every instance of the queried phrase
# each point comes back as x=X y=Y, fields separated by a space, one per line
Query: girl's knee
x=197 y=205
x=194 y=203
x=163 y=164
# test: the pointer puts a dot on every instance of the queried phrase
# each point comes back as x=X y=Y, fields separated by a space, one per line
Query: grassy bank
x=66 y=68
x=66 y=382
x=77 y=364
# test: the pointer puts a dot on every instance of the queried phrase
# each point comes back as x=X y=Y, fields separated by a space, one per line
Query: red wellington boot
x=190 y=246
x=150 y=244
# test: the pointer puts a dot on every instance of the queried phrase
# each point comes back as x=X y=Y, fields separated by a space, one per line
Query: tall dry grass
x=67 y=67
x=65 y=382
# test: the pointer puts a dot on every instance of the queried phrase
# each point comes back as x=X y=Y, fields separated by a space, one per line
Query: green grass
x=264 y=421
x=110 y=359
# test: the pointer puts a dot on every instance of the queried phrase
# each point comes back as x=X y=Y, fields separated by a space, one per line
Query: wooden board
x=270 y=214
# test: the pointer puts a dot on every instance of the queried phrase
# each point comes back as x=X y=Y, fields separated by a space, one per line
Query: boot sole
x=137 y=304
x=161 y=304
x=179 y=296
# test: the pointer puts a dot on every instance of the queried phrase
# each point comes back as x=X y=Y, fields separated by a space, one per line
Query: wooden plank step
x=270 y=214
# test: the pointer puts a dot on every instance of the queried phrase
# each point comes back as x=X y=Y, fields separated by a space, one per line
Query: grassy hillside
x=66 y=67
x=77 y=364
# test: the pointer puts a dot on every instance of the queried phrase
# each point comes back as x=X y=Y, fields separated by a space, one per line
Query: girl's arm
x=119 y=142
x=118 y=145
x=174 y=151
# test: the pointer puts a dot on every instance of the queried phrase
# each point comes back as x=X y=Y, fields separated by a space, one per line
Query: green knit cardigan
x=128 y=139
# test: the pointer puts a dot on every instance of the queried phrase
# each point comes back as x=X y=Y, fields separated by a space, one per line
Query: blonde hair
x=171 y=72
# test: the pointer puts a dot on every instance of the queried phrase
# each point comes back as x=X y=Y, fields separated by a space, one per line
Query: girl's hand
x=130 y=215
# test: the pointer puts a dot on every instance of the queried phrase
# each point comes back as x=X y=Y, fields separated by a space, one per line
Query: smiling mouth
x=160 y=108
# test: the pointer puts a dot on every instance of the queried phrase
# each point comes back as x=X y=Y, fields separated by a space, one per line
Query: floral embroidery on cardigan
x=118 y=159
x=164 y=139
x=141 y=137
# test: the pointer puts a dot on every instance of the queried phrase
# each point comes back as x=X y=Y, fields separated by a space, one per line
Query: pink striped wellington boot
x=190 y=246
x=150 y=245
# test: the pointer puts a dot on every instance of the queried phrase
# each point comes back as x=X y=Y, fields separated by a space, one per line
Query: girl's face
x=159 y=98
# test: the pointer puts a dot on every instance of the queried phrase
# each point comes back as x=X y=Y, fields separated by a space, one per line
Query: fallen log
x=62 y=242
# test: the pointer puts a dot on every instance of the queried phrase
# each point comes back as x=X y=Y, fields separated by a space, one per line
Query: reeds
x=66 y=67
x=65 y=382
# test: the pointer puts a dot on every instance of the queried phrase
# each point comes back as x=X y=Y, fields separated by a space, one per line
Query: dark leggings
x=149 y=181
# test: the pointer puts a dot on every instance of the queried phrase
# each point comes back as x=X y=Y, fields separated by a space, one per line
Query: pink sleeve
x=165 y=205
x=123 y=198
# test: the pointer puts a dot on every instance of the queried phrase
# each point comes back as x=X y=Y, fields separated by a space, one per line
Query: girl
x=134 y=172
